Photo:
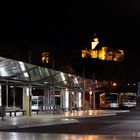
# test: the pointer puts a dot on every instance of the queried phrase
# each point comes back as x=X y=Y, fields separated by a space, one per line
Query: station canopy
x=19 y=73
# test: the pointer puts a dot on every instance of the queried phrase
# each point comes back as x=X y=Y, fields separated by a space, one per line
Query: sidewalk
x=52 y=119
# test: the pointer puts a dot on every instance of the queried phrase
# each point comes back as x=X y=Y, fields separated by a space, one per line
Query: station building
x=22 y=84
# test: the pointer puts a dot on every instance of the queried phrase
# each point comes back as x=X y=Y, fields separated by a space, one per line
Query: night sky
x=68 y=27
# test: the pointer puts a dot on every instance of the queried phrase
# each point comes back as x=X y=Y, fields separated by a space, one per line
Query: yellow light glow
x=94 y=53
x=95 y=39
x=102 y=53
x=105 y=53
x=84 y=53
x=45 y=57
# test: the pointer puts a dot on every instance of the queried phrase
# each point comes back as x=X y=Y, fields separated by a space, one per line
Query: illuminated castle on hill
x=105 y=53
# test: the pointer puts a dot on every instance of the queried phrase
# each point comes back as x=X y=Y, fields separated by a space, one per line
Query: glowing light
x=26 y=74
x=3 y=72
x=90 y=92
x=79 y=99
x=27 y=91
x=85 y=53
x=22 y=66
x=11 y=86
x=72 y=93
x=67 y=98
x=23 y=69
x=63 y=77
x=45 y=57
x=0 y=96
x=66 y=89
x=96 y=39
x=75 y=80
x=94 y=53
x=105 y=53
x=94 y=43
x=114 y=84
x=102 y=53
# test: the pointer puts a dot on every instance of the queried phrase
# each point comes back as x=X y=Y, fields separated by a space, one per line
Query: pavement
x=43 y=119
x=53 y=119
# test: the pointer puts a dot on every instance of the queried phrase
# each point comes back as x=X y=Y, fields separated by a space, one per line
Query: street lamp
x=114 y=84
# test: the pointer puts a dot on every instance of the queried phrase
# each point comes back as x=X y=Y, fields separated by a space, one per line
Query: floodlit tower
x=94 y=43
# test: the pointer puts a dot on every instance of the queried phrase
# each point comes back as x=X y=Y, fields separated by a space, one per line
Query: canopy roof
x=21 y=73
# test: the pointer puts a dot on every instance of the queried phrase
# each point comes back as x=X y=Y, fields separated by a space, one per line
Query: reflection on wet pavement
x=38 y=136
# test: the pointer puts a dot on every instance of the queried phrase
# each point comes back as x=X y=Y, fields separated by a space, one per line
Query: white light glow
x=26 y=74
x=79 y=99
x=63 y=77
x=94 y=43
x=22 y=66
x=72 y=93
x=0 y=96
x=114 y=84
x=67 y=98
x=90 y=92
x=75 y=80
x=27 y=91
x=3 y=72
x=23 y=69
x=11 y=86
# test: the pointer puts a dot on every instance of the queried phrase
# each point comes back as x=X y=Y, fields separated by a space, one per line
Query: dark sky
x=69 y=26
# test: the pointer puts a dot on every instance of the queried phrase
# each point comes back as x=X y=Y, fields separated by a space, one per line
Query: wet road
x=40 y=136
x=120 y=124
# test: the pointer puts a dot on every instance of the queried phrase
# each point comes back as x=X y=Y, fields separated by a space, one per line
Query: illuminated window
x=94 y=53
x=45 y=57
x=85 y=54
